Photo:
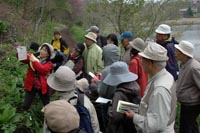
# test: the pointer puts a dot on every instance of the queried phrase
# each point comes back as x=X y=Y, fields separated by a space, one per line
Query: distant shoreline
x=183 y=21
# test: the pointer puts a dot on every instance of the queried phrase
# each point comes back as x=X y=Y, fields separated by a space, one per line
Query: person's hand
x=32 y=58
x=129 y=114
x=99 y=76
x=95 y=79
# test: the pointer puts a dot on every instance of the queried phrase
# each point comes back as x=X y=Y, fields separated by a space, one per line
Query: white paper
x=22 y=53
x=91 y=74
x=124 y=106
x=103 y=100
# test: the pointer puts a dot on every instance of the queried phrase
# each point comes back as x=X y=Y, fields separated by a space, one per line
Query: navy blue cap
x=126 y=34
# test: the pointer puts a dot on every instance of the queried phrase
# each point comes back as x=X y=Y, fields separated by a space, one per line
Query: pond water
x=190 y=33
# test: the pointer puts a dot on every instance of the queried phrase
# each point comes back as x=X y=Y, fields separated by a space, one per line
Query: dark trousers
x=30 y=95
x=188 y=119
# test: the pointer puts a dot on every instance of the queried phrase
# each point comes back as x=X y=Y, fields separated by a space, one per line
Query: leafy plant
x=3 y=27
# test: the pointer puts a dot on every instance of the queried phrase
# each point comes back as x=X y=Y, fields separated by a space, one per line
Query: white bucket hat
x=50 y=47
x=163 y=29
x=62 y=80
x=187 y=48
x=92 y=36
x=155 y=52
x=119 y=73
x=82 y=84
x=138 y=44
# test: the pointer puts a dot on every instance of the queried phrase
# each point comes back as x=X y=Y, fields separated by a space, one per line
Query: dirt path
x=68 y=37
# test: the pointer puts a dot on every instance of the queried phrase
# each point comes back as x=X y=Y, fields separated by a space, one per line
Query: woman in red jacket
x=135 y=66
x=38 y=70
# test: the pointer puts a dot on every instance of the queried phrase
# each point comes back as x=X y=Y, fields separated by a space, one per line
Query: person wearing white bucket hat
x=157 y=108
x=163 y=37
x=188 y=87
x=127 y=90
x=92 y=56
x=63 y=81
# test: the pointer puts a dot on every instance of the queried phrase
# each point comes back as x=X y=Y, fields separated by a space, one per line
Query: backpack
x=85 y=124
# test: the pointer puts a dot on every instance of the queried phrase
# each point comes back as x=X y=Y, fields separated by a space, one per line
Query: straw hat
x=62 y=80
x=119 y=73
x=186 y=48
x=138 y=44
x=163 y=29
x=155 y=52
x=92 y=36
x=61 y=116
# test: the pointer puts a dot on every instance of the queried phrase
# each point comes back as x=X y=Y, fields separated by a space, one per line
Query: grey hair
x=160 y=64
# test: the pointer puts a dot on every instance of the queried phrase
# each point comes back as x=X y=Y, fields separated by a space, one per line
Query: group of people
x=146 y=73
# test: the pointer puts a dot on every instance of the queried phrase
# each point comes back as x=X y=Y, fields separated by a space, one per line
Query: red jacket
x=43 y=71
x=136 y=67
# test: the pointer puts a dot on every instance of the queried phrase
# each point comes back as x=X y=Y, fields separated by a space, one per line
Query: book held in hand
x=124 y=106
x=22 y=53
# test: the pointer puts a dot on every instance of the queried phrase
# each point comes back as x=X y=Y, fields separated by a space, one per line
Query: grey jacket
x=111 y=54
x=188 y=83
x=126 y=57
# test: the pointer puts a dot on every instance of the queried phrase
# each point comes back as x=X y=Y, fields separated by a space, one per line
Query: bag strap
x=80 y=98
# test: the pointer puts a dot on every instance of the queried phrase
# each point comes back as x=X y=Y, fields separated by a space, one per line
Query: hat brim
x=185 y=53
x=148 y=57
x=57 y=86
x=88 y=30
x=133 y=46
x=115 y=80
x=90 y=38
x=160 y=32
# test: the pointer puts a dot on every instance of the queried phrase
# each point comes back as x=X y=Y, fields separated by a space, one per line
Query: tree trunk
x=40 y=17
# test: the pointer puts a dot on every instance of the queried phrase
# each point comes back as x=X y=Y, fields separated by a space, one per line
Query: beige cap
x=61 y=116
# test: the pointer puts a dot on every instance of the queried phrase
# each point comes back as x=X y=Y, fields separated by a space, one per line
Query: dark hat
x=80 y=47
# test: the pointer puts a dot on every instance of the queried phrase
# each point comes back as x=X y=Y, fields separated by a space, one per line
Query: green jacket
x=93 y=59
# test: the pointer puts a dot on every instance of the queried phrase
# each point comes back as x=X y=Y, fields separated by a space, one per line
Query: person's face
x=56 y=36
x=44 y=52
x=88 y=42
x=160 y=37
x=146 y=64
x=125 y=42
x=178 y=54
x=75 y=52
